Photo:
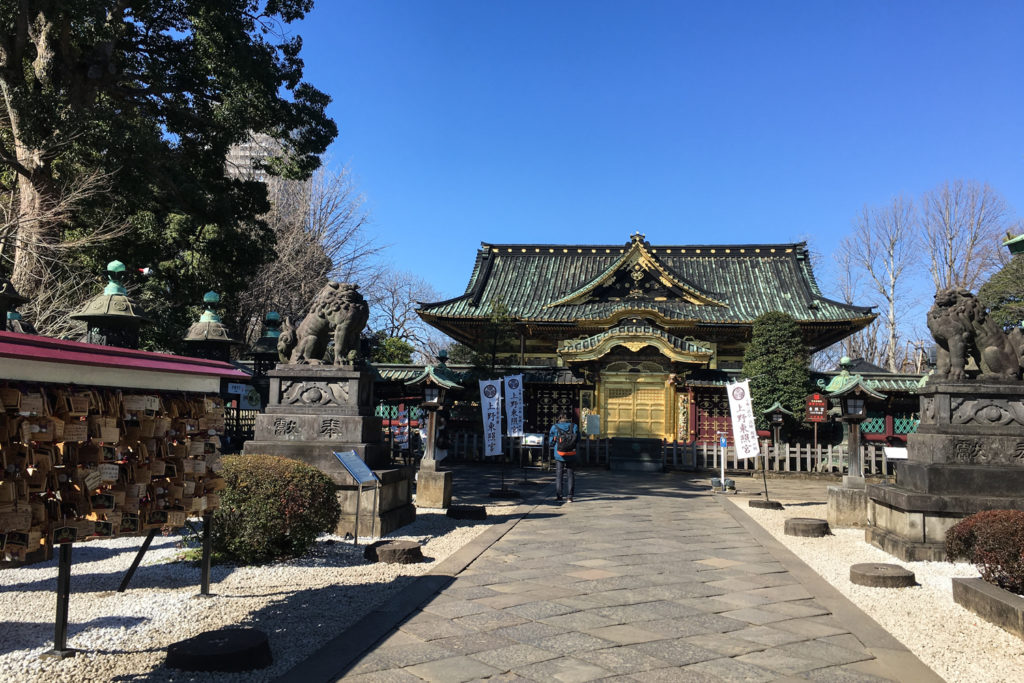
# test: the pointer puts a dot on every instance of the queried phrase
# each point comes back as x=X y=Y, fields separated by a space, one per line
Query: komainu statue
x=962 y=331
x=338 y=312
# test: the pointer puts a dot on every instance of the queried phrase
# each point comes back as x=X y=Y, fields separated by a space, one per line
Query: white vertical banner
x=744 y=431
x=490 y=409
x=514 y=405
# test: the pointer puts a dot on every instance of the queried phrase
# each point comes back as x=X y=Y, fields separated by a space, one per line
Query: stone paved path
x=635 y=581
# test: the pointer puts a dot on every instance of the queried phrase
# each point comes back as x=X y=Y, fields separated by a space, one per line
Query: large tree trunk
x=38 y=228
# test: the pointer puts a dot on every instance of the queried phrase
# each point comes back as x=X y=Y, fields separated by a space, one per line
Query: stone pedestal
x=433 y=489
x=967 y=456
x=315 y=410
x=847 y=507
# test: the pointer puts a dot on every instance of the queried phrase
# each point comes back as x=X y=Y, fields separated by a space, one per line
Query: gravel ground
x=300 y=604
x=957 y=644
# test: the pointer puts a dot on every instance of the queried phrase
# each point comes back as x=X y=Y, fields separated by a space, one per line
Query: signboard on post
x=362 y=474
x=817 y=407
x=817 y=411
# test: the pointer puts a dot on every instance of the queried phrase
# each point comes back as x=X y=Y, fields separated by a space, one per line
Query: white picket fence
x=468 y=446
x=785 y=458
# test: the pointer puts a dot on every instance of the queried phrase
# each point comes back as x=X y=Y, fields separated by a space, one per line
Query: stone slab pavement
x=643 y=578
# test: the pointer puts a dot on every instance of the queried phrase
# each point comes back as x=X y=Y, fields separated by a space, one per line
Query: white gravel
x=304 y=603
x=957 y=644
x=300 y=604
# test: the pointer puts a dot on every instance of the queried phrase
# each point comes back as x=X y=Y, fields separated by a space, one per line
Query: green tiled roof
x=747 y=280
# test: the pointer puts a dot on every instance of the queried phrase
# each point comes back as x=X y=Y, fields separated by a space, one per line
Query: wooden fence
x=468 y=447
x=787 y=458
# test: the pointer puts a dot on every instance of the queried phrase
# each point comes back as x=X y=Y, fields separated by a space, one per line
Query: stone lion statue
x=962 y=331
x=338 y=312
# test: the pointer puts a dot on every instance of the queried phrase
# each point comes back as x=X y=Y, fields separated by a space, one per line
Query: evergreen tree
x=149 y=97
x=777 y=363
x=390 y=349
x=1003 y=294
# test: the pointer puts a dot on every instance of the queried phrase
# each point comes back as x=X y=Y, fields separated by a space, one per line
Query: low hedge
x=272 y=509
x=993 y=541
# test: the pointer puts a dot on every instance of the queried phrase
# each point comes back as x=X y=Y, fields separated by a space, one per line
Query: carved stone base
x=967 y=456
x=315 y=410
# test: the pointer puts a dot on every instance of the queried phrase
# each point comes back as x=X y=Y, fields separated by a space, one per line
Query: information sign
x=817 y=407
x=355 y=467
x=895 y=453
x=533 y=439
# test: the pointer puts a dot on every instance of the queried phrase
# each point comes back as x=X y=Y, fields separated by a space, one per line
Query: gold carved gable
x=637 y=276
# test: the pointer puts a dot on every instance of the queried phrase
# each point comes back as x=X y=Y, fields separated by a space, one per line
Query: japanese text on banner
x=744 y=431
x=514 y=405
x=490 y=409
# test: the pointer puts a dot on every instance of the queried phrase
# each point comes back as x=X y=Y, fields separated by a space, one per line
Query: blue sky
x=716 y=122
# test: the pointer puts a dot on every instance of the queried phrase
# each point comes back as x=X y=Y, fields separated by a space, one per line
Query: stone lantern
x=433 y=488
x=777 y=416
x=112 y=318
x=208 y=337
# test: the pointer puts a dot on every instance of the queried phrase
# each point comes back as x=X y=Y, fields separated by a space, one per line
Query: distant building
x=244 y=160
x=645 y=336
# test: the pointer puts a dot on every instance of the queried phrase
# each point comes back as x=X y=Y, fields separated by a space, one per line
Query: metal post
x=359 y=501
x=138 y=559
x=204 y=581
x=373 y=519
x=60 y=627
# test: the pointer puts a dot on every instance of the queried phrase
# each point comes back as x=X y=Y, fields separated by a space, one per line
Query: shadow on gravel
x=20 y=635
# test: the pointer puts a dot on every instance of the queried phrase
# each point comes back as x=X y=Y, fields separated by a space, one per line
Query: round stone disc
x=881 y=575
x=807 y=526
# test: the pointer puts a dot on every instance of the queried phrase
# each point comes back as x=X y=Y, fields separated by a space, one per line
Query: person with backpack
x=564 y=436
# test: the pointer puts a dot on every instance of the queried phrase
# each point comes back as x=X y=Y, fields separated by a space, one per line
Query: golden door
x=635 y=407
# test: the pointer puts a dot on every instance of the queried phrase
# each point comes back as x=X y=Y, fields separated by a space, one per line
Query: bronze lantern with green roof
x=209 y=337
x=113 y=318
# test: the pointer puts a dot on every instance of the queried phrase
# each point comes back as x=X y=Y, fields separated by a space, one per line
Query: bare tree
x=882 y=249
x=393 y=298
x=962 y=225
x=321 y=232
x=58 y=284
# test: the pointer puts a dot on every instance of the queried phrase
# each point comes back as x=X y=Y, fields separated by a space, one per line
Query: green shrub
x=993 y=541
x=272 y=509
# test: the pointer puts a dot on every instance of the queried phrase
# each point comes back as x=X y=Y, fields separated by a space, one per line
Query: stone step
x=634 y=465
